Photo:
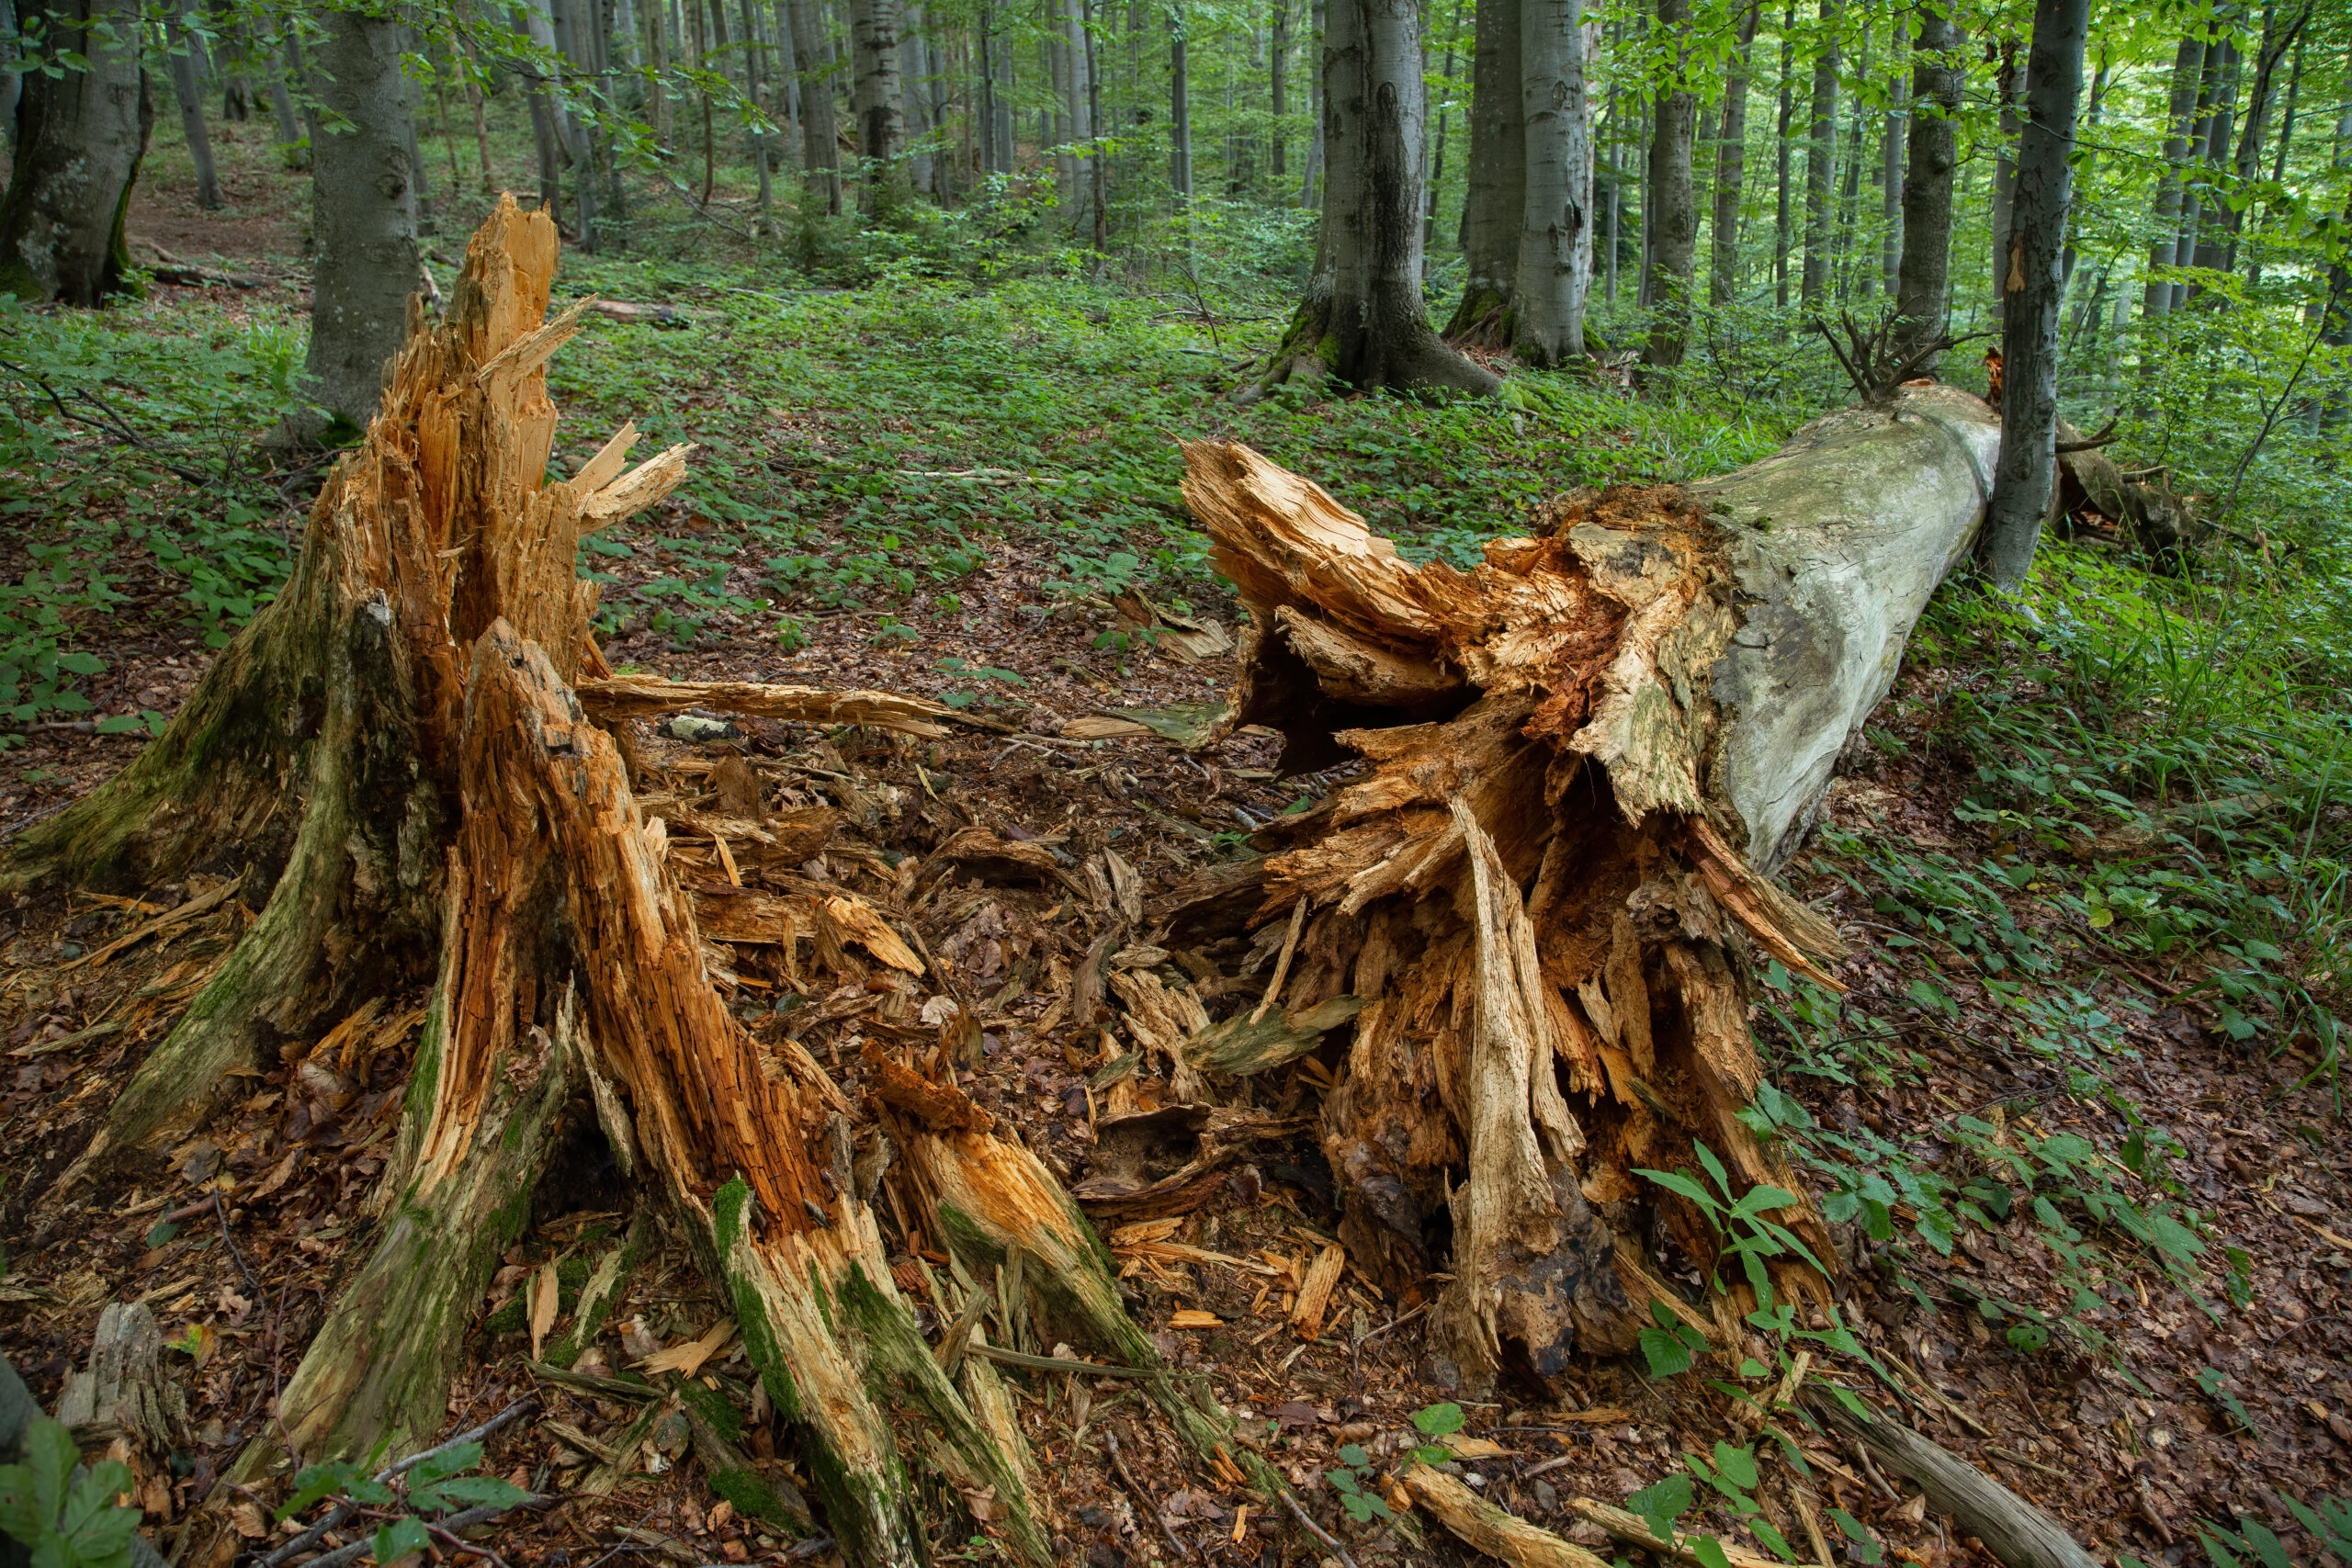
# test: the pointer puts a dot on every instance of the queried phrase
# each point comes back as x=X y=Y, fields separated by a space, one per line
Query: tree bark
x=881 y=124
x=2279 y=35
x=1730 y=165
x=1555 y=240
x=191 y=100
x=2022 y=484
x=1278 y=92
x=1179 y=109
x=1671 y=201
x=2188 y=66
x=1781 y=124
x=362 y=216
x=1583 y=756
x=820 y=139
x=1494 y=209
x=1820 y=159
x=78 y=140
x=1363 y=320
x=1891 y=124
x=1921 y=276
x=409 y=738
x=2007 y=88
x=531 y=22
x=1311 y=183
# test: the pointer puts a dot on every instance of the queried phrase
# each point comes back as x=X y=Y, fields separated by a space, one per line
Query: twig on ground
x=2021 y=1460
x=1119 y=1463
x=1056 y=1363
x=222 y=1211
x=343 y=1556
x=341 y=1512
x=1318 y=1532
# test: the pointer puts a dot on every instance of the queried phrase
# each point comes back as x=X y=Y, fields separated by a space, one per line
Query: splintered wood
x=1528 y=893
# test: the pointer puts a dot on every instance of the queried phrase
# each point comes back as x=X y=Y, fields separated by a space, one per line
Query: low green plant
x=65 y=1516
x=401 y=1503
x=1352 y=1477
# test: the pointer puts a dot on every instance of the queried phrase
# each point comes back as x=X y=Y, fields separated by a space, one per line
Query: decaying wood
x=1494 y=1530
x=1633 y=1531
x=1580 y=758
x=2012 y=1530
x=450 y=803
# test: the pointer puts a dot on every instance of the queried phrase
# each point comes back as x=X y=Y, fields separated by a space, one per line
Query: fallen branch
x=2012 y=1530
x=1491 y=1529
x=1317 y=1531
x=1632 y=1529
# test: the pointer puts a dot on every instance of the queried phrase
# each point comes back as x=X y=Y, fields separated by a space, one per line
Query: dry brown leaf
x=544 y=1295
x=686 y=1357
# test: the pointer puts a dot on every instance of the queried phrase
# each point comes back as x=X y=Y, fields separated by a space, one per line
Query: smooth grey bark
x=1179 y=109
x=1437 y=143
x=1078 y=82
x=1555 y=244
x=761 y=174
x=545 y=140
x=2089 y=158
x=913 y=75
x=567 y=32
x=1363 y=318
x=1312 y=183
x=1671 y=201
x=1922 y=276
x=181 y=45
x=1494 y=207
x=2216 y=101
x=1731 y=167
x=874 y=100
x=281 y=108
x=820 y=139
x=2022 y=479
x=11 y=83
x=2188 y=65
x=363 y=215
x=1890 y=175
x=1780 y=162
x=1820 y=157
x=80 y=136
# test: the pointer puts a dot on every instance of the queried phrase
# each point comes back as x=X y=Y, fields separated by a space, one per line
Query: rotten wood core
x=1531 y=889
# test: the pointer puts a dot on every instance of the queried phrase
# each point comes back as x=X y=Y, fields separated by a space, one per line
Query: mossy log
x=402 y=759
x=1580 y=758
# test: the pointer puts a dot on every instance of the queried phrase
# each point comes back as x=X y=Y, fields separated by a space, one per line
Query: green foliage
x=434 y=1485
x=1351 y=1480
x=63 y=1515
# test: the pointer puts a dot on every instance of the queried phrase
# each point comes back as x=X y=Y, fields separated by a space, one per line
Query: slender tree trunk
x=820 y=139
x=1890 y=174
x=1278 y=92
x=2088 y=159
x=2188 y=65
x=1180 y=109
x=363 y=214
x=2276 y=40
x=79 y=137
x=181 y=45
x=1363 y=318
x=653 y=24
x=1922 y=284
x=1495 y=207
x=1097 y=167
x=1820 y=157
x=2286 y=141
x=1781 y=162
x=1437 y=143
x=2008 y=85
x=765 y=197
x=1086 y=221
x=481 y=117
x=1311 y=185
x=545 y=138
x=1555 y=240
x=2204 y=151
x=1843 y=255
x=1671 y=201
x=2022 y=479
x=413 y=95
x=281 y=101
x=1730 y=165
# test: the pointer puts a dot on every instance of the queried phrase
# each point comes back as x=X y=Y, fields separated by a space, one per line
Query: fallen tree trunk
x=1580 y=758
x=402 y=757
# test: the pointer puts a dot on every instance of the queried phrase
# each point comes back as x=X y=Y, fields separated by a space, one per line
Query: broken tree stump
x=1580 y=758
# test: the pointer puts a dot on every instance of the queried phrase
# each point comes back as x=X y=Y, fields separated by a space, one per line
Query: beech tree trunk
x=1820 y=161
x=191 y=100
x=1556 y=240
x=2188 y=66
x=1671 y=202
x=2037 y=286
x=406 y=757
x=1584 y=757
x=1494 y=209
x=362 y=216
x=78 y=139
x=820 y=139
x=1921 y=276
x=874 y=93
x=1363 y=321
x=1731 y=164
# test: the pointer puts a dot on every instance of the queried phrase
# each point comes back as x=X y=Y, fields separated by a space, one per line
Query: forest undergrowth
x=2078 y=1121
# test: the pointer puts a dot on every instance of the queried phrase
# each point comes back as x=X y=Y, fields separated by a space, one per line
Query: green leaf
x=1667 y=1355
x=1683 y=1187
x=1714 y=1167
x=1662 y=1504
x=1437 y=1420
x=400 y=1538
x=1866 y=1546
x=2215 y=1384
x=1708 y=1550
x=1353 y=1454
x=1738 y=1465
x=468 y=1491
x=121 y=724
x=82 y=663
x=1343 y=1482
x=313 y=1482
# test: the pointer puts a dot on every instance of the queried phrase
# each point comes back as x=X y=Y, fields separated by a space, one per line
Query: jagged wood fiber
x=406 y=755
x=1541 y=887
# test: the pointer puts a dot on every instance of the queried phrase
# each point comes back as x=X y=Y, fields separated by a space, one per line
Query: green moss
x=714 y=1407
x=1328 y=350
x=755 y=1500
x=760 y=1345
x=727 y=1214
x=508 y=1319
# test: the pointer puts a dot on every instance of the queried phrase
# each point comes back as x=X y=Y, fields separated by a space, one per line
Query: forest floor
x=2075 y=1119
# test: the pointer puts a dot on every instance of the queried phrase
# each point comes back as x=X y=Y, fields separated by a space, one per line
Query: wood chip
x=545 y=1295
x=1190 y=1318
x=1315 y=1295
x=687 y=1359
